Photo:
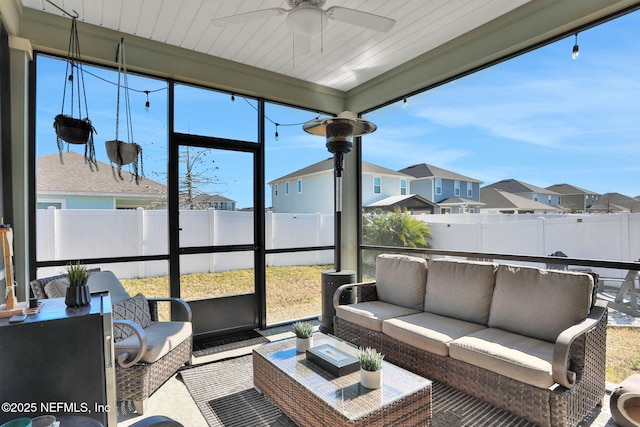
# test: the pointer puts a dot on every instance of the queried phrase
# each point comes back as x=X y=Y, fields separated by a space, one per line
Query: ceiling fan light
x=307 y=20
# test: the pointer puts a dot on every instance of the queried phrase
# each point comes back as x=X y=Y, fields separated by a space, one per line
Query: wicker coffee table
x=311 y=396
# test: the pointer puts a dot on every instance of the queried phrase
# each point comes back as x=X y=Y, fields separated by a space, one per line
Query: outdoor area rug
x=225 y=395
x=213 y=345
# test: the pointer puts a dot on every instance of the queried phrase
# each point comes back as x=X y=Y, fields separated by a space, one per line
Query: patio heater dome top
x=359 y=126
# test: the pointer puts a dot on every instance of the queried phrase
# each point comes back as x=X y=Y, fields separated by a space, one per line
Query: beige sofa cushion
x=428 y=331
x=100 y=281
x=162 y=337
x=539 y=303
x=371 y=314
x=521 y=358
x=460 y=289
x=400 y=280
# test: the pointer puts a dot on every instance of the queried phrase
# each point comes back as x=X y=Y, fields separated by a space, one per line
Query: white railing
x=78 y=234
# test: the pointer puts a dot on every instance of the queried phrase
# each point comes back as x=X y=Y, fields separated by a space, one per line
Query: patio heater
x=339 y=132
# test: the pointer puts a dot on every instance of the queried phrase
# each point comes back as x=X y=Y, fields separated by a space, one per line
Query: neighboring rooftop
x=517 y=187
x=75 y=177
x=495 y=198
x=327 y=165
x=424 y=170
x=570 y=190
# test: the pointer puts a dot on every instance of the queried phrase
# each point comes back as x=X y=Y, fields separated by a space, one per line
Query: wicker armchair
x=147 y=356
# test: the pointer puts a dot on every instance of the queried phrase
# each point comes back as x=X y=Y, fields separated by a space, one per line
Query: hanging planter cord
x=75 y=80
x=122 y=75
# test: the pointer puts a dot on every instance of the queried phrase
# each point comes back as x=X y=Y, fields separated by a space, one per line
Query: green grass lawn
x=295 y=292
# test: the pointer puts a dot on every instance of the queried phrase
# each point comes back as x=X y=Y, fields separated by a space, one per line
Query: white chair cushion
x=371 y=314
x=427 y=331
x=521 y=358
x=539 y=303
x=162 y=337
x=460 y=289
x=100 y=281
x=401 y=279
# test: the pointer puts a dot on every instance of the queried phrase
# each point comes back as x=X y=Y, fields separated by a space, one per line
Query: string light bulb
x=147 y=104
x=233 y=98
x=404 y=103
x=277 y=136
x=576 y=49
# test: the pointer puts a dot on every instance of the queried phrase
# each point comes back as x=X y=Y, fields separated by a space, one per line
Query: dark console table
x=59 y=362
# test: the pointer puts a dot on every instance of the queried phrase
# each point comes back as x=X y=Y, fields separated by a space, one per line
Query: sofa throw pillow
x=56 y=288
x=135 y=309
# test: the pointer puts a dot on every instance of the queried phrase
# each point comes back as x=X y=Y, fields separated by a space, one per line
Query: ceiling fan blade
x=241 y=18
x=362 y=19
x=301 y=44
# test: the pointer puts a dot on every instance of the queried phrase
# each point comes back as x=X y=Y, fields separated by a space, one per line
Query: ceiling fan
x=306 y=18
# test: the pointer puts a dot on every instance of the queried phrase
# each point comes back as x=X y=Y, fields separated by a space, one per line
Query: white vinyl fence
x=92 y=233
x=78 y=234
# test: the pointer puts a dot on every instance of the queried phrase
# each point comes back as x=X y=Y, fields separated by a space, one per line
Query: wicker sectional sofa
x=528 y=340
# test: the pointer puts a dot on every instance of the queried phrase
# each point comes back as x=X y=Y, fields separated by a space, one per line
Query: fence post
x=212 y=239
x=625 y=241
x=141 y=233
x=542 y=250
x=268 y=238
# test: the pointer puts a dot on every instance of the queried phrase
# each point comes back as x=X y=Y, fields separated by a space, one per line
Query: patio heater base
x=331 y=280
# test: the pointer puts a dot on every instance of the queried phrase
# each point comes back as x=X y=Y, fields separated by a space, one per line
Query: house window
x=276 y=190
x=469 y=190
x=377 y=185
x=286 y=188
x=535 y=197
x=456 y=188
x=403 y=187
x=299 y=184
x=438 y=187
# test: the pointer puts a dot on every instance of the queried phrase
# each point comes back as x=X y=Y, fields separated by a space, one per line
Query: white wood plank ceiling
x=343 y=56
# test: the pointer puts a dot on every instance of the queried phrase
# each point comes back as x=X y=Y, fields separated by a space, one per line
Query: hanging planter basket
x=72 y=130
x=123 y=153
x=71 y=127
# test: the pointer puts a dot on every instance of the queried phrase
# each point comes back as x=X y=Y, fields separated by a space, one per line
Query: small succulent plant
x=303 y=329
x=370 y=359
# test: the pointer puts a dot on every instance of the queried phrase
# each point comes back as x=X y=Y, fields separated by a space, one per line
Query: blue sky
x=541 y=118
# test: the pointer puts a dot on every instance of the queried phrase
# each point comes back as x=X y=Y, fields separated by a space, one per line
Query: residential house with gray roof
x=452 y=192
x=575 y=199
x=311 y=190
x=529 y=191
x=615 y=202
x=500 y=201
x=73 y=185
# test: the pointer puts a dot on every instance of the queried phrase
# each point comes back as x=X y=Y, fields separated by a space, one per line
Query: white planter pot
x=371 y=379
x=303 y=344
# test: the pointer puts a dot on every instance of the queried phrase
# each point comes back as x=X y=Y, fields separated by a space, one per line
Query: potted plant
x=304 y=336
x=78 y=293
x=370 y=368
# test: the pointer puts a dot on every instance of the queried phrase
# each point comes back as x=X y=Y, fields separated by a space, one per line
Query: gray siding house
x=575 y=199
x=537 y=194
x=452 y=192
